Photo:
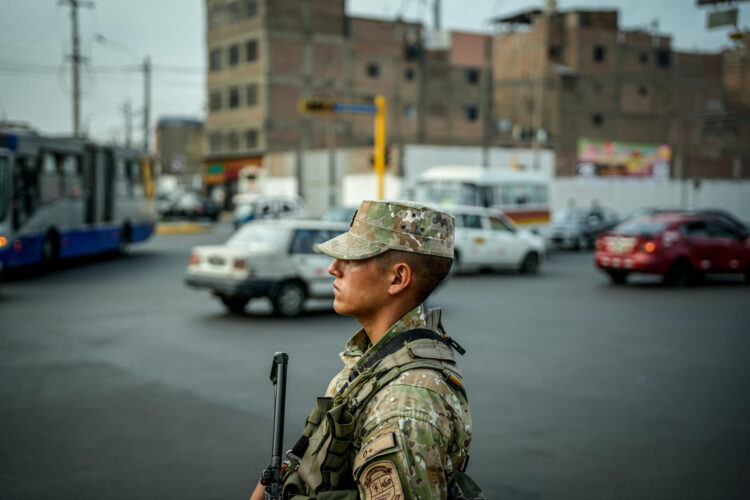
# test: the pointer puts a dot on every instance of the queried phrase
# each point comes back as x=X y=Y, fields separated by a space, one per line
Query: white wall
x=417 y=159
x=358 y=187
x=627 y=195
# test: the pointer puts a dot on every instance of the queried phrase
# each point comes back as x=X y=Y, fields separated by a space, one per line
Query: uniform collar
x=359 y=344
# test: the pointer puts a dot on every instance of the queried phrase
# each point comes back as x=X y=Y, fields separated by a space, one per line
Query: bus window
x=447 y=193
x=50 y=180
x=72 y=177
x=4 y=176
x=540 y=194
x=504 y=195
x=122 y=184
x=135 y=178
x=521 y=193
x=25 y=190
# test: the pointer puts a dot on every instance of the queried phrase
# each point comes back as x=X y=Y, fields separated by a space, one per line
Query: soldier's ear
x=400 y=278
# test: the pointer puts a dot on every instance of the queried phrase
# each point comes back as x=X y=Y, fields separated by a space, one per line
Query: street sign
x=317 y=105
x=721 y=18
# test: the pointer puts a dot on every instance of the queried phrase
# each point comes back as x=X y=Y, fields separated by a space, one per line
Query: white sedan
x=276 y=259
x=487 y=239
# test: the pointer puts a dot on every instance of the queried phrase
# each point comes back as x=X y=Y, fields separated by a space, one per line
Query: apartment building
x=179 y=147
x=563 y=76
x=264 y=56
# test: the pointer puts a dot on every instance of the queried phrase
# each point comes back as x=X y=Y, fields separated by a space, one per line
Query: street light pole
x=76 y=59
x=146 y=101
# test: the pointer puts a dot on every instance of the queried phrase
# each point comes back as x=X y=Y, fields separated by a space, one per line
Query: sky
x=35 y=79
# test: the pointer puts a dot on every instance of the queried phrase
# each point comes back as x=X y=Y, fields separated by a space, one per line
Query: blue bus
x=62 y=198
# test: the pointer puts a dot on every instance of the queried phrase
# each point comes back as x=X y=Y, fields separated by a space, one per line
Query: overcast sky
x=35 y=37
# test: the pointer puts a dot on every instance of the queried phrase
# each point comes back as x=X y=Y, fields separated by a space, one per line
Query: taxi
x=277 y=259
x=487 y=239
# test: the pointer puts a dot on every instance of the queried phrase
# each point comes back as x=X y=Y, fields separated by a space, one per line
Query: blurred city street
x=119 y=381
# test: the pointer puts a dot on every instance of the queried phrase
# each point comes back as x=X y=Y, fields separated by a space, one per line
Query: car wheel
x=454 y=266
x=618 y=277
x=289 y=299
x=530 y=263
x=234 y=303
x=680 y=273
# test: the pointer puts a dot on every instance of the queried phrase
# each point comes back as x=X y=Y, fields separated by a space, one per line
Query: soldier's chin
x=341 y=308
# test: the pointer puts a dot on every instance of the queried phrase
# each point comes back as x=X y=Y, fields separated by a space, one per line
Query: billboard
x=600 y=158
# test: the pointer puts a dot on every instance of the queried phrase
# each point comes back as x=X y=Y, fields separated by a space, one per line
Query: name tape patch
x=373 y=448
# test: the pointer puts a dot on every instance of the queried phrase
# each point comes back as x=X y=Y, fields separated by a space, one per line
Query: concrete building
x=179 y=148
x=265 y=56
x=560 y=77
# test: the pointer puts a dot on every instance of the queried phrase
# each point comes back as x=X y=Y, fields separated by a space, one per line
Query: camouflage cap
x=379 y=226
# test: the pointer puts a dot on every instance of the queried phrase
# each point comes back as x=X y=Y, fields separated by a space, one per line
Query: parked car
x=249 y=207
x=578 y=227
x=193 y=206
x=340 y=213
x=276 y=259
x=678 y=246
x=487 y=239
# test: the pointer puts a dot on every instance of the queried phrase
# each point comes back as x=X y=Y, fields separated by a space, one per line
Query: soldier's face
x=360 y=287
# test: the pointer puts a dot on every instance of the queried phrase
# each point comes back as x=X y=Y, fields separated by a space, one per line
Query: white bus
x=524 y=197
x=62 y=198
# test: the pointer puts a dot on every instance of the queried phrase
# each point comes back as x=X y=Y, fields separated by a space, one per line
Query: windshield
x=258 y=235
x=446 y=193
x=3 y=186
x=640 y=227
x=243 y=211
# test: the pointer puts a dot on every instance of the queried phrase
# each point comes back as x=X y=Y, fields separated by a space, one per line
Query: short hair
x=429 y=270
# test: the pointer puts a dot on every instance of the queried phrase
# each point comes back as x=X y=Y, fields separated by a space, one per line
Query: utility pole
x=77 y=59
x=146 y=101
x=436 y=6
x=127 y=111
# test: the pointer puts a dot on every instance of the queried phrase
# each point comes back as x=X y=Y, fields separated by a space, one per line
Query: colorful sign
x=599 y=158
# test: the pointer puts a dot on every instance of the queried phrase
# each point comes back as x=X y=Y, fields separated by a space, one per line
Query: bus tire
x=126 y=236
x=50 y=251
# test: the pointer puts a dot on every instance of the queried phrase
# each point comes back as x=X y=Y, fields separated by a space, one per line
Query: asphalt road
x=118 y=382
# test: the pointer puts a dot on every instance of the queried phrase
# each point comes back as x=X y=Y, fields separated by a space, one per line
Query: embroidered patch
x=380 y=481
x=373 y=448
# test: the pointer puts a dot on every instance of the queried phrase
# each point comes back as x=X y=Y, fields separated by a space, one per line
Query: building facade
x=179 y=147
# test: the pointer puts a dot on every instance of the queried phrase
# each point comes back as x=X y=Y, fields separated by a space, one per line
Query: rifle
x=271 y=477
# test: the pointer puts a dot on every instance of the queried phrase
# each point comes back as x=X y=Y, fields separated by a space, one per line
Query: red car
x=677 y=246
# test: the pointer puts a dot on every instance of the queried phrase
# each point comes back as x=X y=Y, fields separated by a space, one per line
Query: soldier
x=395 y=422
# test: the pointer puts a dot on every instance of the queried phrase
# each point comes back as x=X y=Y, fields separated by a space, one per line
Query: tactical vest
x=322 y=460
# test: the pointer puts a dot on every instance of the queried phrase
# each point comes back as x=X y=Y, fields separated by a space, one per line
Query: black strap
x=394 y=345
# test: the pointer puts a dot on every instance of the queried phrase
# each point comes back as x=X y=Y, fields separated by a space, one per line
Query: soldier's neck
x=380 y=321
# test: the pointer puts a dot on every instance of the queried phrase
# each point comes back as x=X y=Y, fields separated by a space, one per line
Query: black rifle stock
x=271 y=478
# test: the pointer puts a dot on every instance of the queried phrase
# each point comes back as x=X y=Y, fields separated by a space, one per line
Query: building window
x=214 y=142
x=600 y=53
x=234 y=55
x=233 y=142
x=471 y=112
x=663 y=58
x=472 y=76
x=643 y=58
x=584 y=19
x=409 y=74
x=251 y=48
x=249 y=8
x=234 y=97
x=214 y=102
x=252 y=94
x=251 y=138
x=554 y=52
x=642 y=91
x=410 y=111
x=214 y=61
x=597 y=119
x=373 y=70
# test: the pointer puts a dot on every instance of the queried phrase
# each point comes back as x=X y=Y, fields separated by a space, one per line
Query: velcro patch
x=380 y=481
x=374 y=447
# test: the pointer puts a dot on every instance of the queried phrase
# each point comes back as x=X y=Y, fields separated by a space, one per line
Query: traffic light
x=317 y=105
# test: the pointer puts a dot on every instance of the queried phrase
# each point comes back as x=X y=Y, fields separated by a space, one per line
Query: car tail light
x=3 y=241
x=649 y=246
x=195 y=259
x=240 y=264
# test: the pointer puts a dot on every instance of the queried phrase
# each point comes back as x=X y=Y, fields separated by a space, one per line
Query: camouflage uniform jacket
x=427 y=417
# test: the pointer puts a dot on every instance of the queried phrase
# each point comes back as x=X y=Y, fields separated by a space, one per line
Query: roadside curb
x=182 y=228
